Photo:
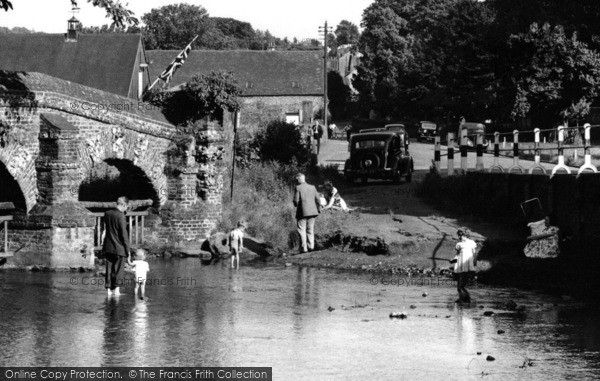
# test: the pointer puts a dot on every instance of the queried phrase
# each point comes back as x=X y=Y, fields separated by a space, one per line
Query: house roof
x=259 y=72
x=101 y=61
x=38 y=82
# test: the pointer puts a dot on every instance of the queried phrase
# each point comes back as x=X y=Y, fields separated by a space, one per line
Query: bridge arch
x=115 y=178
x=133 y=154
x=17 y=168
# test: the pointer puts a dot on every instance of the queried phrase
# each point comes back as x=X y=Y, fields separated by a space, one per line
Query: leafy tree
x=172 y=27
x=338 y=94
x=119 y=14
x=206 y=95
x=282 y=142
x=553 y=76
x=346 y=33
x=386 y=45
x=425 y=57
x=516 y=16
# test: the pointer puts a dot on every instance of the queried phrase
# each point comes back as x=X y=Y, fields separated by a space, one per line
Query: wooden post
x=143 y=224
x=130 y=227
x=5 y=236
x=236 y=122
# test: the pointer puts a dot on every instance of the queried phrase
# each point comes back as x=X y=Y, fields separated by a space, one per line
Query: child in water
x=141 y=268
x=236 y=243
x=465 y=263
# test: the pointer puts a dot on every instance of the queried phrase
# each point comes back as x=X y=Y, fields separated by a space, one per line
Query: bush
x=263 y=194
x=282 y=142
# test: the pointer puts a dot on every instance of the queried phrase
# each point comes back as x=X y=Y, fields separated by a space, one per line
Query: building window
x=296 y=85
x=249 y=85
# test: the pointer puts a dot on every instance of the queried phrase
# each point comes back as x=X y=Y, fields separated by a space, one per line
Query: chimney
x=72 y=28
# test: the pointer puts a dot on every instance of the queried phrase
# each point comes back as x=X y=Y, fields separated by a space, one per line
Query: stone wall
x=571 y=202
x=257 y=111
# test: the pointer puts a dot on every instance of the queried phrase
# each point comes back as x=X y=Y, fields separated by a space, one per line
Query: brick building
x=275 y=84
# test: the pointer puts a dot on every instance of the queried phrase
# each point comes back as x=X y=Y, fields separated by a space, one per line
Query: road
x=335 y=152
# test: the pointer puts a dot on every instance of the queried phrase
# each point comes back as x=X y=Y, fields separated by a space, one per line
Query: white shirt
x=141 y=269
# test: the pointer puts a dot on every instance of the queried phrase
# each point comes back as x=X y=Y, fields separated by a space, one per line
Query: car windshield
x=369 y=144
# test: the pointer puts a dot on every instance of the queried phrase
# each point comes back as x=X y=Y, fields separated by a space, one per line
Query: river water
x=266 y=315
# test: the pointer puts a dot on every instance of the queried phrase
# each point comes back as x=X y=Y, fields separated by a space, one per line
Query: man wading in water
x=116 y=246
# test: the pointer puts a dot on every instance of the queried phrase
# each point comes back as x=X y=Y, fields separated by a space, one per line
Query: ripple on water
x=267 y=316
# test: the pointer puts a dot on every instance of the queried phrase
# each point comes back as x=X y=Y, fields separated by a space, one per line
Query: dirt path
x=413 y=229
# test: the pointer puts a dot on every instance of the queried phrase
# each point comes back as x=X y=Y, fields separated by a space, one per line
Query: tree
x=428 y=57
x=338 y=94
x=553 y=77
x=386 y=45
x=119 y=14
x=172 y=27
x=206 y=95
x=346 y=33
x=516 y=16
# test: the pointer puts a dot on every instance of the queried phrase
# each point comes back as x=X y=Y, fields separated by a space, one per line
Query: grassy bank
x=263 y=196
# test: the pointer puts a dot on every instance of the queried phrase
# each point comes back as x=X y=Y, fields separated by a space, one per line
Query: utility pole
x=325 y=30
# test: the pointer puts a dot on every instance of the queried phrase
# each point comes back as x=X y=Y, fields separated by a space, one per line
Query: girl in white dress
x=335 y=201
x=465 y=263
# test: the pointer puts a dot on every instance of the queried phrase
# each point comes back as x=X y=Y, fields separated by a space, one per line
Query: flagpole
x=154 y=83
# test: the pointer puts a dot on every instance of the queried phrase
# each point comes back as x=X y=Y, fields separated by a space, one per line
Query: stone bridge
x=55 y=135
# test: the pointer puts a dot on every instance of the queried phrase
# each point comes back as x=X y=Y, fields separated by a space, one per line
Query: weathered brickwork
x=51 y=143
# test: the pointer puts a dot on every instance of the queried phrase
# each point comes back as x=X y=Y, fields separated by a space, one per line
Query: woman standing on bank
x=465 y=263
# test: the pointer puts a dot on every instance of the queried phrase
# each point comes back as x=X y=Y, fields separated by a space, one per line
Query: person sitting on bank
x=334 y=200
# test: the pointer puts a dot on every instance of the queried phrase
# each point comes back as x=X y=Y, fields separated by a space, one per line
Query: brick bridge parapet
x=54 y=132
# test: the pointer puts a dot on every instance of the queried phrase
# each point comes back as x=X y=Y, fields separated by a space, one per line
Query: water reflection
x=271 y=316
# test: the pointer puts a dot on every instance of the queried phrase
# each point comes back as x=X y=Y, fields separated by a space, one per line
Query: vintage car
x=380 y=154
x=426 y=132
x=473 y=129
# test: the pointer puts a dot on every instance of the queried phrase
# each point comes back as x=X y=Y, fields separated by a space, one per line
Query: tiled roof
x=101 y=61
x=42 y=83
x=259 y=73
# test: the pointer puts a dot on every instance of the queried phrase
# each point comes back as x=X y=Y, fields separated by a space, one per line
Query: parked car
x=381 y=154
x=473 y=129
x=427 y=131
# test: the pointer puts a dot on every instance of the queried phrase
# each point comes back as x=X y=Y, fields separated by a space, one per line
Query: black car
x=427 y=131
x=381 y=154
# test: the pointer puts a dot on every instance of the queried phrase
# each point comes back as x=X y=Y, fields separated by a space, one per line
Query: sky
x=283 y=18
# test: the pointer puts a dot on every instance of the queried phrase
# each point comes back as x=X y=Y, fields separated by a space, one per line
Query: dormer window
x=296 y=85
x=249 y=85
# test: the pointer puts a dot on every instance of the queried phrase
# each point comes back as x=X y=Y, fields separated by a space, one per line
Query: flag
x=177 y=62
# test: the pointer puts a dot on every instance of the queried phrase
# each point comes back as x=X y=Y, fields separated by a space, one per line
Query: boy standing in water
x=141 y=268
x=465 y=263
x=236 y=242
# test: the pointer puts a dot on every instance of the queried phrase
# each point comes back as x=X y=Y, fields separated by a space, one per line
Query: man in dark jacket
x=308 y=207
x=317 y=135
x=116 y=245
